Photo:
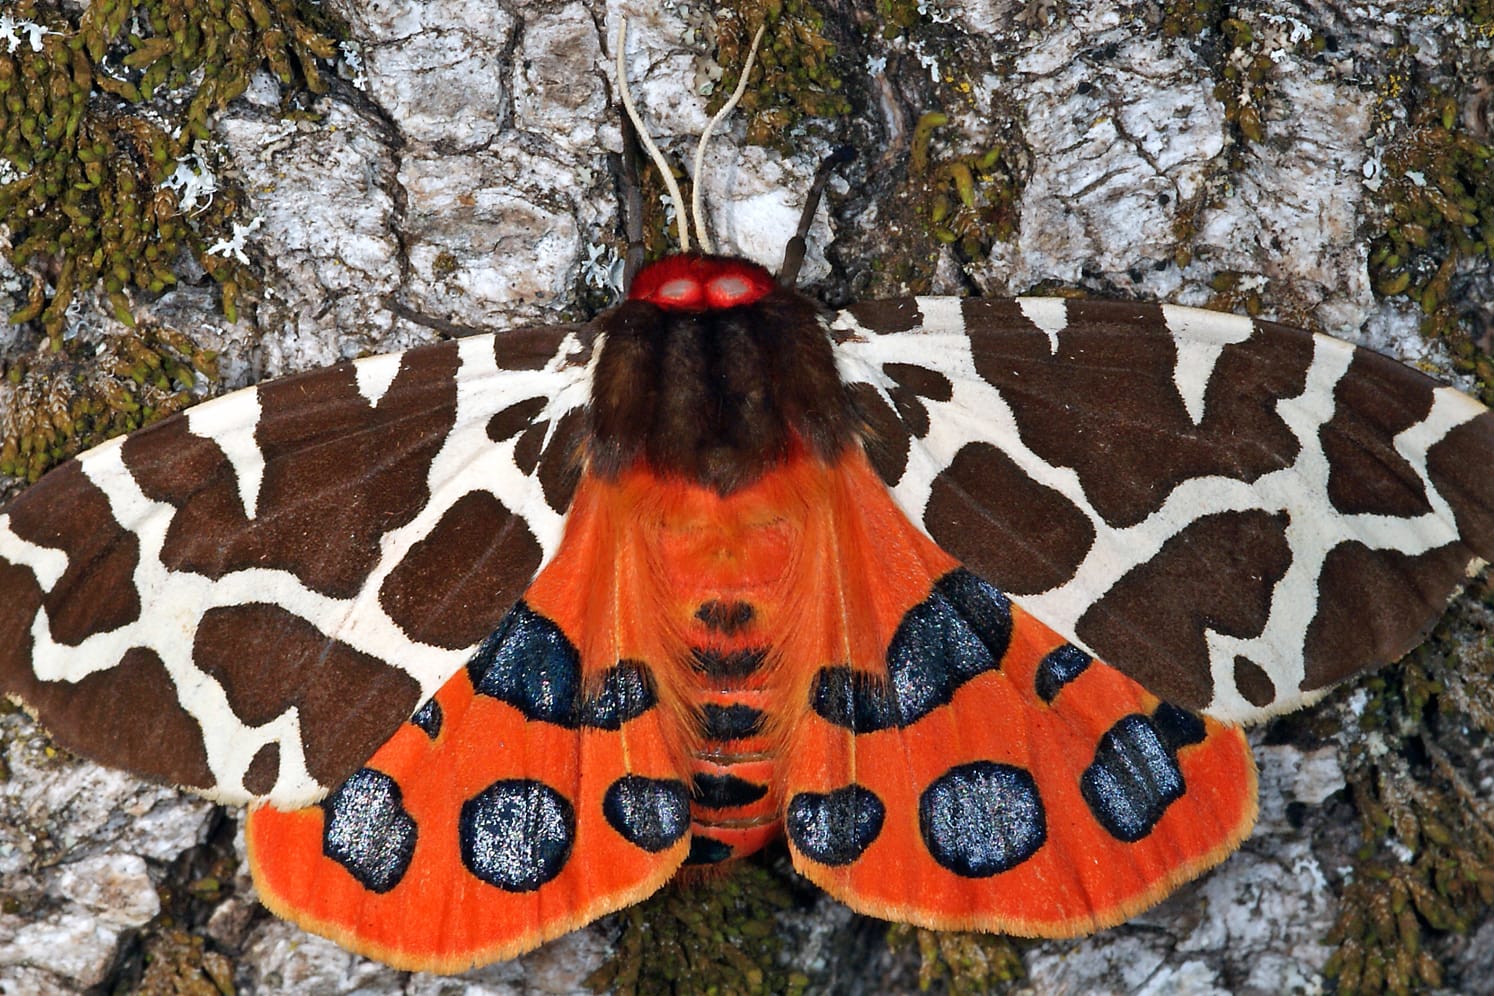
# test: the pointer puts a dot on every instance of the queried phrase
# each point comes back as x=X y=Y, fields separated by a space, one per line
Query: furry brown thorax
x=713 y=372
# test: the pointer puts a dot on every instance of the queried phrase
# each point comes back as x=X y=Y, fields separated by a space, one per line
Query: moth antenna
x=643 y=136
x=793 y=253
x=705 y=136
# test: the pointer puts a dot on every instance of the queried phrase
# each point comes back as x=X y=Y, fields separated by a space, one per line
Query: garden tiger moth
x=923 y=384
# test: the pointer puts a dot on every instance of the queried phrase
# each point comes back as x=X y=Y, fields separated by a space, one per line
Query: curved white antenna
x=643 y=135
x=695 y=199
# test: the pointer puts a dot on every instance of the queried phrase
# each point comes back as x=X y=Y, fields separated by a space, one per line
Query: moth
x=964 y=598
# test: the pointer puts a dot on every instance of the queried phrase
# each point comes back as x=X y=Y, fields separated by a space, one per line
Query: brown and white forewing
x=1235 y=513
x=247 y=598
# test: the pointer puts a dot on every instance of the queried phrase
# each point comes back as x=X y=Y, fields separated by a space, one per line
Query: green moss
x=55 y=405
x=1427 y=862
x=84 y=197
x=796 y=74
x=958 y=962
x=1438 y=197
x=971 y=200
x=714 y=936
x=1189 y=18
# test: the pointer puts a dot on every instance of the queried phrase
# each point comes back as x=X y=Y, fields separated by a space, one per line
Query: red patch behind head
x=700 y=283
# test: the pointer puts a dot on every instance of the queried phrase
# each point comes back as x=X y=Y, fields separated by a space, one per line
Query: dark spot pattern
x=1366 y=474
x=514 y=419
x=334 y=466
x=727 y=791
x=530 y=664
x=1132 y=780
x=982 y=818
x=886 y=438
x=958 y=633
x=96 y=593
x=516 y=834
x=1407 y=592
x=367 y=830
x=1253 y=682
x=652 y=813
x=1218 y=573
x=559 y=467
x=912 y=385
x=349 y=702
x=533 y=347
x=1057 y=668
x=727 y=665
x=733 y=722
x=263 y=770
x=988 y=513
x=726 y=618
x=99 y=715
x=887 y=316
x=429 y=718
x=1459 y=466
x=1106 y=405
x=455 y=583
x=707 y=851
x=834 y=828
x=1178 y=727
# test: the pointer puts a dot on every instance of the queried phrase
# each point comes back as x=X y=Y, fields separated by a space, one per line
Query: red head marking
x=700 y=283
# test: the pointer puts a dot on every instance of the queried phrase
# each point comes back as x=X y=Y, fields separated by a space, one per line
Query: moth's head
x=694 y=282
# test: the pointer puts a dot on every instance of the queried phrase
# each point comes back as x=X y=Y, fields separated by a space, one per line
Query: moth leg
x=793 y=253
x=630 y=185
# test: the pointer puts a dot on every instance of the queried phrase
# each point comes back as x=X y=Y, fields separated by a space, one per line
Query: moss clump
x=972 y=200
x=958 y=962
x=53 y=406
x=84 y=175
x=1427 y=863
x=1438 y=192
x=1189 y=18
x=178 y=963
x=797 y=74
x=715 y=936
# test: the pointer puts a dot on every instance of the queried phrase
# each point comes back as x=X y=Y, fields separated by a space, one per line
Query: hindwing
x=248 y=598
x=1234 y=513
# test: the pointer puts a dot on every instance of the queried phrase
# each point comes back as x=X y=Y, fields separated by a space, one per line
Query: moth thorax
x=717 y=396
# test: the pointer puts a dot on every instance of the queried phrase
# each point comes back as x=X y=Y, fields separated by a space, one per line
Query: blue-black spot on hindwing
x=707 y=851
x=1179 y=727
x=1133 y=779
x=516 y=834
x=726 y=791
x=835 y=828
x=1059 y=667
x=428 y=717
x=984 y=606
x=530 y=664
x=733 y=722
x=853 y=699
x=958 y=633
x=367 y=830
x=982 y=818
x=652 y=813
x=626 y=692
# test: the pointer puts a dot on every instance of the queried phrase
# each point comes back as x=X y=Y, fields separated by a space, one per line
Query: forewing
x=1235 y=513
x=248 y=598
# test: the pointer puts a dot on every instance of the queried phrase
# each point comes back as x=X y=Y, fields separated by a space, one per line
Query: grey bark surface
x=461 y=167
